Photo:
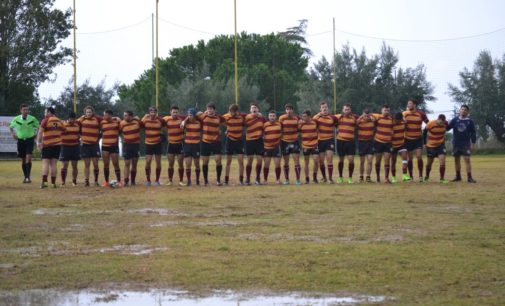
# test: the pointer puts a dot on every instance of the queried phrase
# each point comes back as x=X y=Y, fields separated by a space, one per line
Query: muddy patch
x=173 y=297
x=221 y=223
x=36 y=251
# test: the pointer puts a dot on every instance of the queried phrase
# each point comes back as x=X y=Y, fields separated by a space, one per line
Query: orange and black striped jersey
x=289 y=127
x=384 y=128
x=52 y=129
x=193 y=130
x=90 y=129
x=254 y=127
x=110 y=132
x=174 y=132
x=346 y=126
x=414 y=121
x=436 y=133
x=308 y=131
x=70 y=136
x=152 y=130
x=210 y=127
x=398 y=134
x=273 y=134
x=325 y=126
x=234 y=126
x=130 y=130
x=366 y=128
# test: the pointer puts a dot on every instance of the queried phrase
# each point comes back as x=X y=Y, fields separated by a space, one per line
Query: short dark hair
x=254 y=104
x=347 y=105
x=23 y=106
x=211 y=105
x=153 y=108
x=366 y=110
x=272 y=112
x=233 y=108
x=323 y=102
x=399 y=116
x=72 y=115
x=51 y=110
x=465 y=106
x=174 y=107
x=129 y=112
x=89 y=107
x=441 y=117
x=307 y=112
x=288 y=106
x=108 y=111
x=385 y=106
x=414 y=100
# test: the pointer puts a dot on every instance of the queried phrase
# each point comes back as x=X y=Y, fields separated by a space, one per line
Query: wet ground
x=172 y=297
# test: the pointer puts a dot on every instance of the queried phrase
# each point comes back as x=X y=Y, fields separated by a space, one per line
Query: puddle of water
x=134 y=249
x=191 y=223
x=172 y=297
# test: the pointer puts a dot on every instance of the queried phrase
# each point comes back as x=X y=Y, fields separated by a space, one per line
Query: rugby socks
x=420 y=166
x=205 y=169
x=404 y=166
x=393 y=170
x=28 y=169
x=106 y=174
x=351 y=169
x=44 y=179
x=386 y=170
x=133 y=175
x=428 y=170
x=442 y=172
x=188 y=175
x=323 y=170
x=330 y=171
x=241 y=179
x=96 y=172
x=219 y=170
x=53 y=180
x=340 y=168
x=25 y=172
x=286 y=172
x=378 y=170
x=314 y=176
x=469 y=175
x=197 y=173
x=226 y=179
x=277 y=173
x=265 y=173
x=410 y=166
x=148 y=174
x=181 y=174
x=458 y=174
x=63 y=173
x=258 y=172
x=158 y=174
x=170 y=174
x=118 y=175
x=248 y=170
x=297 y=172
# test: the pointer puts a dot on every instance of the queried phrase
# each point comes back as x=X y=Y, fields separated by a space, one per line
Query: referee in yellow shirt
x=23 y=129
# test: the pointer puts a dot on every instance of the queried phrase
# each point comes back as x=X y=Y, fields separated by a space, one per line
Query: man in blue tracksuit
x=464 y=138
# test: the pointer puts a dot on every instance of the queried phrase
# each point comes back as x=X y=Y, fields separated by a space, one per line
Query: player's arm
x=12 y=125
x=39 y=135
x=473 y=134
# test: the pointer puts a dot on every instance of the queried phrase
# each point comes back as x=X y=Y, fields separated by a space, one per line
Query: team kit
x=265 y=141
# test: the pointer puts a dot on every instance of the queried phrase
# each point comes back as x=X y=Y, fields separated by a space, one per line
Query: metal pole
x=157 y=60
x=153 y=64
x=236 y=52
x=334 y=72
x=75 y=64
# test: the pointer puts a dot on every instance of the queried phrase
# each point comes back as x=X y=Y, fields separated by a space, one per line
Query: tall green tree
x=30 y=35
x=483 y=90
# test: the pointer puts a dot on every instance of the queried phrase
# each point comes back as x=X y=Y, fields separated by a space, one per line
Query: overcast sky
x=114 y=36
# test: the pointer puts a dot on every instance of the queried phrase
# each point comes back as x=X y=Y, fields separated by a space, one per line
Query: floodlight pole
x=236 y=52
x=75 y=63
x=157 y=60
x=334 y=72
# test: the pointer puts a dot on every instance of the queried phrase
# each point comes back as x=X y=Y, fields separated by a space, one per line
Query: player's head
x=289 y=109
x=464 y=110
x=233 y=109
x=153 y=112
x=346 y=110
x=191 y=113
x=398 y=117
x=386 y=110
x=323 y=107
x=366 y=111
x=211 y=108
x=306 y=115
x=412 y=104
x=441 y=119
x=107 y=114
x=50 y=111
x=254 y=108
x=128 y=115
x=24 y=109
x=272 y=116
x=89 y=111
x=174 y=110
x=71 y=117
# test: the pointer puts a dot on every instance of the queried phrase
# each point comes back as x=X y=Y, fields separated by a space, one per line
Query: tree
x=483 y=90
x=30 y=34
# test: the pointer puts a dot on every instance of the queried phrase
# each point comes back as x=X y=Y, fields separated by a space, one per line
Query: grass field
x=425 y=244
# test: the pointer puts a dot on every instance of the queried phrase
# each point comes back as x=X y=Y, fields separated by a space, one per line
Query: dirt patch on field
x=37 y=251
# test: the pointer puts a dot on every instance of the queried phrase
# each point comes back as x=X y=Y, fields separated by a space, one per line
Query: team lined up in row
x=198 y=134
